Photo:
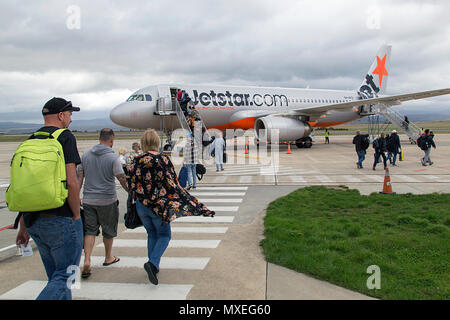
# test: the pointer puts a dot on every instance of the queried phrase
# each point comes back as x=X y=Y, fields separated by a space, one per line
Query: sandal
x=114 y=261
x=85 y=273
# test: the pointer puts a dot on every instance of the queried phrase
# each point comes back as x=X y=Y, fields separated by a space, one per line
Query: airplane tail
x=375 y=81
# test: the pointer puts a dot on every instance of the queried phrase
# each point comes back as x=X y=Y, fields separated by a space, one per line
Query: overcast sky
x=96 y=53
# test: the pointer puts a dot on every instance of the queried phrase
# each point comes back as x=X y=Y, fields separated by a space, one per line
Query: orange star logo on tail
x=380 y=70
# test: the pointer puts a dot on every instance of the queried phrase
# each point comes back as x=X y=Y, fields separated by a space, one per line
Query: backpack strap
x=53 y=135
x=57 y=133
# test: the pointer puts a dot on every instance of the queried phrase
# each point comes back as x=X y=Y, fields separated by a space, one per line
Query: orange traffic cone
x=387 y=187
x=289 y=149
x=246 y=149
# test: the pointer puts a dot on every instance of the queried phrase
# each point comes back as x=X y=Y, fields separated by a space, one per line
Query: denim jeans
x=158 y=233
x=60 y=242
x=191 y=170
x=361 y=156
x=377 y=157
x=426 y=159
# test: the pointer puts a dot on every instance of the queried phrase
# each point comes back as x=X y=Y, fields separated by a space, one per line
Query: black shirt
x=69 y=145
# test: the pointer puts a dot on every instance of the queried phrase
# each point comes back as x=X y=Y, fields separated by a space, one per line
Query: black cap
x=57 y=105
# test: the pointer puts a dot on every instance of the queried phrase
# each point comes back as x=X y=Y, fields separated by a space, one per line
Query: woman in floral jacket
x=159 y=198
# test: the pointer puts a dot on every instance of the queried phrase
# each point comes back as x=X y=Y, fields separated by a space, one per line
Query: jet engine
x=289 y=129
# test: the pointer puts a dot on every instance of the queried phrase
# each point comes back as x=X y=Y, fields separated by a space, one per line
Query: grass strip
x=336 y=234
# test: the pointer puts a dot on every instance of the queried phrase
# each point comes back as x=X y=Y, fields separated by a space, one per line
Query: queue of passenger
x=388 y=147
x=62 y=232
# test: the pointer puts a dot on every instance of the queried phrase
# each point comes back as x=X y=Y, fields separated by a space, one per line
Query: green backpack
x=38 y=174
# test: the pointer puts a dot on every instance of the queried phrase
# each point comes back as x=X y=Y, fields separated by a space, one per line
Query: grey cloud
x=128 y=45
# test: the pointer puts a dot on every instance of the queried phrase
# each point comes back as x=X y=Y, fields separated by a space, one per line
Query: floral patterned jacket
x=154 y=181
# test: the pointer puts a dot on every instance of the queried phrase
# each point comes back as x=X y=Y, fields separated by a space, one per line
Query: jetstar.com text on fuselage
x=238 y=99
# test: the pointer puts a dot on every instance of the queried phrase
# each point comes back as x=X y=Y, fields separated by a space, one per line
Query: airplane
x=295 y=112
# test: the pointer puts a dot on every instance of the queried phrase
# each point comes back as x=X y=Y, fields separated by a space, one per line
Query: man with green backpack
x=44 y=190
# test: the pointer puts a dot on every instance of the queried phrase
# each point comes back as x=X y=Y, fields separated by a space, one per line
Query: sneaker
x=373 y=168
x=221 y=169
x=430 y=163
x=357 y=165
x=189 y=187
x=151 y=272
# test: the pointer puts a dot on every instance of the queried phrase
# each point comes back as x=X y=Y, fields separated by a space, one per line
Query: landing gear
x=305 y=142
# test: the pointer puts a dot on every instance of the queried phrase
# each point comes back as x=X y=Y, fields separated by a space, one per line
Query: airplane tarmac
x=240 y=195
x=294 y=112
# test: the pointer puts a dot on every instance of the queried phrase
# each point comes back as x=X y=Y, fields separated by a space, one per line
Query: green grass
x=335 y=235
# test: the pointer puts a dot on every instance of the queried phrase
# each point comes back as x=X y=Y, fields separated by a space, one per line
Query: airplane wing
x=316 y=111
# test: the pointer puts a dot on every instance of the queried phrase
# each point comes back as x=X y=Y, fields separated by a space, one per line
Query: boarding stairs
x=164 y=109
x=411 y=130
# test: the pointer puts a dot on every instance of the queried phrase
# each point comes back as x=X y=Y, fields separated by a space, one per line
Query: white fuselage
x=232 y=107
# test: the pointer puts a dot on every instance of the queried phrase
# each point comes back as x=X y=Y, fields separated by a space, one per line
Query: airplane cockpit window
x=137 y=97
x=148 y=97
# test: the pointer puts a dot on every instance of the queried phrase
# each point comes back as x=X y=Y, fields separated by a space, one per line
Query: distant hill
x=96 y=124
x=76 y=125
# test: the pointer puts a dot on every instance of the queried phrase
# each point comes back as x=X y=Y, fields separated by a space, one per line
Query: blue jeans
x=191 y=170
x=60 y=242
x=158 y=233
x=361 y=156
x=377 y=157
x=392 y=157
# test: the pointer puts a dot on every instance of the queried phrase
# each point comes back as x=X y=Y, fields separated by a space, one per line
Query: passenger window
x=148 y=97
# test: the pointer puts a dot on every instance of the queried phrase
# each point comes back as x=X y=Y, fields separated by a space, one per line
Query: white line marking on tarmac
x=220 y=179
x=11 y=247
x=406 y=178
x=224 y=209
x=106 y=291
x=134 y=243
x=185 y=263
x=245 y=179
x=221 y=188
x=430 y=177
x=201 y=219
x=8 y=247
x=220 y=200
x=297 y=179
x=352 y=179
x=324 y=179
x=185 y=230
x=199 y=194
x=375 y=177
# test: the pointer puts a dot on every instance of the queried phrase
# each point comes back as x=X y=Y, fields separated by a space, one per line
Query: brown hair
x=150 y=141
x=106 y=134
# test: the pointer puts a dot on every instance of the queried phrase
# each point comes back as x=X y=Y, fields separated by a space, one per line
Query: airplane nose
x=118 y=115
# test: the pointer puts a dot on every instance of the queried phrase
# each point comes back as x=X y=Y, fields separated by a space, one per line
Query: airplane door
x=164 y=100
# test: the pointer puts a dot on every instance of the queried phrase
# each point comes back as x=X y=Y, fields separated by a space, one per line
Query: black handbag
x=131 y=218
x=200 y=171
